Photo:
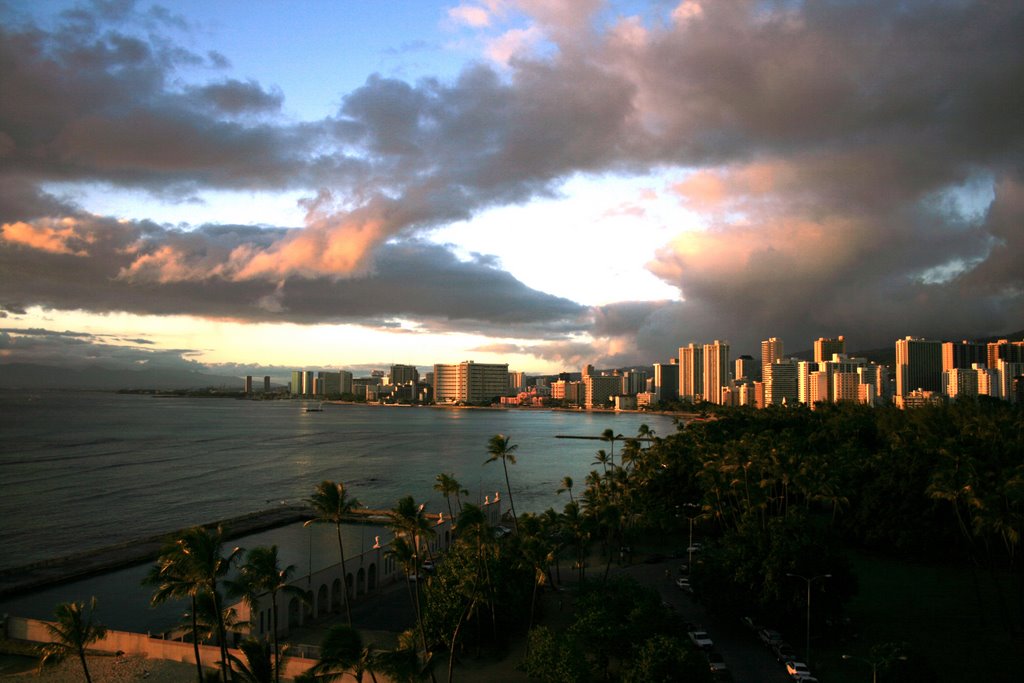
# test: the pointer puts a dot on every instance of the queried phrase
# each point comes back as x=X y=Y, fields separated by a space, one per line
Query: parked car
x=797 y=669
x=701 y=639
x=428 y=566
x=769 y=637
x=684 y=585
x=716 y=662
x=750 y=623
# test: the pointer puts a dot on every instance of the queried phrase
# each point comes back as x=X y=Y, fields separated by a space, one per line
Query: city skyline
x=224 y=187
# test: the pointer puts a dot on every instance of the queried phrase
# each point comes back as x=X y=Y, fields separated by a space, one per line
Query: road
x=748 y=660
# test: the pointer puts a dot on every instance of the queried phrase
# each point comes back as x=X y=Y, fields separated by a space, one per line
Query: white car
x=701 y=639
x=716 y=662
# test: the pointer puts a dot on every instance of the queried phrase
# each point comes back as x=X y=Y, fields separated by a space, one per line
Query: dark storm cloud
x=238 y=97
x=148 y=269
x=72 y=349
x=94 y=102
x=822 y=142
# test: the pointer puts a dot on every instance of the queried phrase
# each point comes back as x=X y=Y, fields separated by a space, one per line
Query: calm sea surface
x=85 y=470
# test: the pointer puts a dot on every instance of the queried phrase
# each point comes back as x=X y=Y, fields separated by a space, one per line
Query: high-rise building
x=330 y=382
x=1004 y=349
x=745 y=367
x=845 y=387
x=296 y=384
x=962 y=354
x=517 y=380
x=599 y=390
x=959 y=382
x=877 y=376
x=1007 y=373
x=307 y=383
x=804 y=368
x=633 y=382
x=817 y=388
x=248 y=384
x=558 y=389
x=469 y=382
x=780 y=384
x=588 y=369
x=266 y=384
x=666 y=381
x=825 y=348
x=716 y=370
x=691 y=372
x=403 y=374
x=771 y=352
x=345 y=382
x=918 y=366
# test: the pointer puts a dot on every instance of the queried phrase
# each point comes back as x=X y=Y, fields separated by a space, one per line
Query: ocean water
x=84 y=470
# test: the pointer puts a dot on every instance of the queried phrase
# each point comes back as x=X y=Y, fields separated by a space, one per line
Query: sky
x=247 y=187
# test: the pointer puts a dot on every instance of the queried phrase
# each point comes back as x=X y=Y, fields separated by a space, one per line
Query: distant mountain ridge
x=34 y=376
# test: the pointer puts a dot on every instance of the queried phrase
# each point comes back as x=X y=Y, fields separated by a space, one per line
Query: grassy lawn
x=936 y=611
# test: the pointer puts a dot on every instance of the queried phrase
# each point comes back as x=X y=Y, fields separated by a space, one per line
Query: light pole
x=809 y=582
x=689 y=547
x=875 y=663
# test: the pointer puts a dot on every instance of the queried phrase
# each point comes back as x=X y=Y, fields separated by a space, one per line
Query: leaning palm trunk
x=195 y=640
x=511 y=501
x=455 y=638
x=344 y=576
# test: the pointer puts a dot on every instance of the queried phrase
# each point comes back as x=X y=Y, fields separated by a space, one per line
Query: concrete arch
x=336 y=599
x=322 y=603
x=349 y=586
x=371 y=578
x=360 y=581
x=294 y=613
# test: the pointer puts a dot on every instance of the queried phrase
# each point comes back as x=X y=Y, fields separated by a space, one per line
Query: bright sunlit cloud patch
x=590 y=245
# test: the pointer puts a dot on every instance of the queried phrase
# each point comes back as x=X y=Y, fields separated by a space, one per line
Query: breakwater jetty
x=20 y=580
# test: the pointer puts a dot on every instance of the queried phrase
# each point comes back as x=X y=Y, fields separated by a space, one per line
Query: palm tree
x=499 y=448
x=260 y=665
x=411 y=527
x=567 y=486
x=447 y=485
x=73 y=631
x=172 y=575
x=331 y=504
x=262 y=574
x=200 y=550
x=611 y=437
x=342 y=652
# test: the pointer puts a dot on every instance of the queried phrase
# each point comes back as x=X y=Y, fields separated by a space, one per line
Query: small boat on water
x=314 y=409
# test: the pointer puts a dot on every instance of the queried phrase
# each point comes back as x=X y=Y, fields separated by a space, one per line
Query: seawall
x=19 y=580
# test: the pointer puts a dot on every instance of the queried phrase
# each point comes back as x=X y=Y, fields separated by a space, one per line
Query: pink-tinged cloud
x=55 y=237
x=513 y=43
x=687 y=10
x=168 y=264
x=726 y=188
x=470 y=15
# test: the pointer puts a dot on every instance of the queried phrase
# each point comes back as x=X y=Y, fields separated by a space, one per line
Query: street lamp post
x=809 y=582
x=875 y=663
x=689 y=547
